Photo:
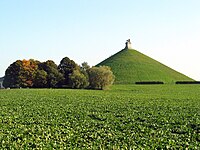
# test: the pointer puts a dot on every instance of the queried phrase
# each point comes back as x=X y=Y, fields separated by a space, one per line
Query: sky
x=92 y=30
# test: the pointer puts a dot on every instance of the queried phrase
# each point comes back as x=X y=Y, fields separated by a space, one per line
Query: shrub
x=78 y=80
x=100 y=77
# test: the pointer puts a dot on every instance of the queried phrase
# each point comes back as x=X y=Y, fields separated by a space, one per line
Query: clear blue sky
x=92 y=30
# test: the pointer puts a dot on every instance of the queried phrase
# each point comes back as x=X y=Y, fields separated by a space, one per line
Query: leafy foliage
x=126 y=117
x=66 y=67
x=85 y=66
x=31 y=73
x=40 y=80
x=12 y=75
x=21 y=73
x=78 y=80
x=54 y=77
x=100 y=77
x=27 y=73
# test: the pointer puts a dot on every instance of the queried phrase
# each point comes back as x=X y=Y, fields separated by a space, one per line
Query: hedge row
x=150 y=82
x=160 y=82
x=188 y=82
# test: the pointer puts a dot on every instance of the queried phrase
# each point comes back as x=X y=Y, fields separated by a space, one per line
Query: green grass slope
x=130 y=66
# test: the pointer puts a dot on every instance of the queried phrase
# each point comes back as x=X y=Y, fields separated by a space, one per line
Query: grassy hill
x=130 y=66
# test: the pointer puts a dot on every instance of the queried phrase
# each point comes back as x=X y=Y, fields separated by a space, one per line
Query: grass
x=125 y=117
x=130 y=66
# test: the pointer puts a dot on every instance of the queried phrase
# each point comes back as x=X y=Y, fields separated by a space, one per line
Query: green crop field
x=125 y=117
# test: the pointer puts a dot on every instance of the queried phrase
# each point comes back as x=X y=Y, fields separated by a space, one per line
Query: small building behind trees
x=1 y=83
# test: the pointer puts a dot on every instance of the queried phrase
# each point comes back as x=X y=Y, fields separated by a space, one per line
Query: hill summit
x=130 y=66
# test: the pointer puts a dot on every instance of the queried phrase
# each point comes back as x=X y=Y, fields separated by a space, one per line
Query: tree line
x=35 y=74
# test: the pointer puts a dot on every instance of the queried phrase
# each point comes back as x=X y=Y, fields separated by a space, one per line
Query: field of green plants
x=125 y=117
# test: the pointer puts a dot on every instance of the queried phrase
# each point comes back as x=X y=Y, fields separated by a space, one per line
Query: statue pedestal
x=128 y=44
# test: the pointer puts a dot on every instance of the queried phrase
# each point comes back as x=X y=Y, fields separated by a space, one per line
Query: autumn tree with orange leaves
x=32 y=73
x=21 y=73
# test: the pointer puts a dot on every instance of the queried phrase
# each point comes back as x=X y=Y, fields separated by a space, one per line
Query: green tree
x=85 y=66
x=40 y=80
x=78 y=80
x=54 y=77
x=100 y=77
x=12 y=73
x=66 y=67
x=84 y=69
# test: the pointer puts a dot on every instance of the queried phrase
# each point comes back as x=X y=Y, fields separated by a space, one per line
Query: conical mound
x=130 y=66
